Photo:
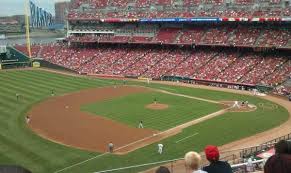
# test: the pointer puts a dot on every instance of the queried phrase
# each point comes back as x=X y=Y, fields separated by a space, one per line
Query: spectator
x=215 y=166
x=162 y=169
x=250 y=165
x=281 y=161
x=192 y=162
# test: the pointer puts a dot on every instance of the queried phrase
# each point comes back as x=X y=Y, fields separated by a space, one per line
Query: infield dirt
x=59 y=119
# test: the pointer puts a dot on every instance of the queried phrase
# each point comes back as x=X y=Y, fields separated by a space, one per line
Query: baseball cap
x=212 y=153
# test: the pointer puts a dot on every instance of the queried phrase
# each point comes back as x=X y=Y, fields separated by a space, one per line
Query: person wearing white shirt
x=160 y=148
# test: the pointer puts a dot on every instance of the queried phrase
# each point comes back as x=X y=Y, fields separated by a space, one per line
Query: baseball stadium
x=134 y=85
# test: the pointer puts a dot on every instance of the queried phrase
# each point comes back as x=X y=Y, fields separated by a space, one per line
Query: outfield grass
x=18 y=145
x=131 y=110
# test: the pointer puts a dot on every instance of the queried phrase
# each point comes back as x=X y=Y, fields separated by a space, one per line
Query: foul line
x=186 y=137
x=61 y=170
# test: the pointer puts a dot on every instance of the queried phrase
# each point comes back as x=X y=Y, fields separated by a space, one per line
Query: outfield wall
x=46 y=64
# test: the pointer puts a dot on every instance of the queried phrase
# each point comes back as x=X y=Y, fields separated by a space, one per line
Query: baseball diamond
x=145 y=86
x=69 y=131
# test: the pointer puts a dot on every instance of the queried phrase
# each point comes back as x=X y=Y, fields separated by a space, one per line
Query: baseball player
x=110 y=147
x=236 y=104
x=140 y=125
x=52 y=92
x=17 y=96
x=27 y=119
x=148 y=81
x=160 y=148
x=155 y=100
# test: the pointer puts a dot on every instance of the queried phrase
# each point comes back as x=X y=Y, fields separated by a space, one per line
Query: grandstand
x=240 y=42
x=232 y=42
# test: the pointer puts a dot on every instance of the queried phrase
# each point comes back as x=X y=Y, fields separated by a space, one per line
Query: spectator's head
x=283 y=147
x=162 y=169
x=212 y=153
x=192 y=160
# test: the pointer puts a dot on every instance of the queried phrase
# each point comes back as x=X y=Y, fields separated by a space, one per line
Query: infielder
x=110 y=147
x=236 y=104
x=160 y=148
x=155 y=100
x=52 y=92
x=140 y=125
x=27 y=119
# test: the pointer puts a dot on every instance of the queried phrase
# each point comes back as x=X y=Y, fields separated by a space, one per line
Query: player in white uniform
x=140 y=125
x=236 y=104
x=110 y=147
x=160 y=148
x=27 y=118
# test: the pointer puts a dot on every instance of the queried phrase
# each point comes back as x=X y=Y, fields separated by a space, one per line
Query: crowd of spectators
x=230 y=36
x=211 y=64
x=34 y=49
x=187 y=8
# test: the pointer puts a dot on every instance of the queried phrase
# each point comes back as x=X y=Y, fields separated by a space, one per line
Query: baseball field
x=74 y=118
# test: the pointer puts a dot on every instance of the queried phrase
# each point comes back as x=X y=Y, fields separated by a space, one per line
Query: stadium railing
x=247 y=152
x=237 y=158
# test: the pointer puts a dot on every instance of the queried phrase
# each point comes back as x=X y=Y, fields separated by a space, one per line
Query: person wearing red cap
x=215 y=166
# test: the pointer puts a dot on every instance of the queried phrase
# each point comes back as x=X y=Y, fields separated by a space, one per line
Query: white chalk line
x=61 y=170
x=186 y=137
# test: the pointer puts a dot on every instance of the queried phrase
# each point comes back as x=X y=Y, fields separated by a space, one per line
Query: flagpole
x=26 y=6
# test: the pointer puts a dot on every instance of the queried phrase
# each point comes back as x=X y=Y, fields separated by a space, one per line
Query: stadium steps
x=276 y=69
x=135 y=61
x=203 y=36
x=287 y=82
x=121 y=57
x=144 y=73
x=170 y=70
x=259 y=38
x=86 y=62
x=230 y=36
x=198 y=69
x=178 y=36
x=241 y=80
x=230 y=65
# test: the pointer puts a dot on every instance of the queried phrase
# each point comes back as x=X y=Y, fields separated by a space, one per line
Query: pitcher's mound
x=157 y=106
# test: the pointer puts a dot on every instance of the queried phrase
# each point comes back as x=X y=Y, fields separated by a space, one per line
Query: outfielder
x=160 y=148
x=17 y=96
x=140 y=125
x=27 y=119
